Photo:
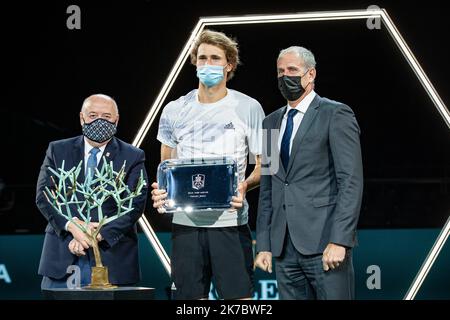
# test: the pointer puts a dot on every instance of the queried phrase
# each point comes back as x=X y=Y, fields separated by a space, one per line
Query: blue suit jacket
x=119 y=249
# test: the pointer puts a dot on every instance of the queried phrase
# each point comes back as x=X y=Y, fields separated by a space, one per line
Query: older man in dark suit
x=65 y=244
x=311 y=187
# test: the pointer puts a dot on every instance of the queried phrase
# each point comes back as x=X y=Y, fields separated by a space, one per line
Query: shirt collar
x=304 y=104
x=88 y=147
x=226 y=97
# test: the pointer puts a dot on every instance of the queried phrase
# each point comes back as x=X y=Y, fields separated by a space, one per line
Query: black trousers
x=222 y=255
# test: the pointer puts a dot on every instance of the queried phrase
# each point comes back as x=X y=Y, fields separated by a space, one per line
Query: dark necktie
x=285 y=142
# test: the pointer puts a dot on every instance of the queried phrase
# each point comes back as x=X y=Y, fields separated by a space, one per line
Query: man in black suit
x=65 y=244
x=311 y=187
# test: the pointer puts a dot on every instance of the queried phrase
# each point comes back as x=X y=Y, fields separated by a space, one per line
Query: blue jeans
x=301 y=277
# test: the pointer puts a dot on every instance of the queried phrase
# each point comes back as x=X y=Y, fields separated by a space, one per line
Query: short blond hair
x=221 y=40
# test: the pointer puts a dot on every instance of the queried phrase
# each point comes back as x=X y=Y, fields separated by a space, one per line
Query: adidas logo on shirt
x=229 y=126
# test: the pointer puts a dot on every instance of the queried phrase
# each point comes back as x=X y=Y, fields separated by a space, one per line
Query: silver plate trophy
x=198 y=183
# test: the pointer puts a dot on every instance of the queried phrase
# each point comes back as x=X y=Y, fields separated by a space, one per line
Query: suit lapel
x=280 y=117
x=281 y=172
x=110 y=153
x=307 y=120
x=78 y=155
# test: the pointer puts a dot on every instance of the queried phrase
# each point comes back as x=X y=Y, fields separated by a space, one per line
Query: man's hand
x=76 y=248
x=333 y=256
x=99 y=237
x=237 y=202
x=263 y=261
x=158 y=196
x=79 y=235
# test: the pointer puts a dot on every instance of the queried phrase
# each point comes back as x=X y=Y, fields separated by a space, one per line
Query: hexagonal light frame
x=299 y=17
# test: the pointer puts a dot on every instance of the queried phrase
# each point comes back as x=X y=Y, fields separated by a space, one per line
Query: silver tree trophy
x=68 y=194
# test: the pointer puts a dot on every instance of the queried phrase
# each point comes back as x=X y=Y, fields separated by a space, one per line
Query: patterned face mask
x=99 y=130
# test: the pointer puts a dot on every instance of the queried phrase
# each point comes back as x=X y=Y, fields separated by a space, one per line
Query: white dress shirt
x=301 y=107
x=87 y=149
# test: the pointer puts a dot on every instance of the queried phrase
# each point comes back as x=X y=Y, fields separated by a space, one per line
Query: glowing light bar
x=429 y=261
x=156 y=244
x=293 y=17
x=407 y=53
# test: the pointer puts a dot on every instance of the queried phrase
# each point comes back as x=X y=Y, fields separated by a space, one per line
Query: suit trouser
x=301 y=277
x=85 y=273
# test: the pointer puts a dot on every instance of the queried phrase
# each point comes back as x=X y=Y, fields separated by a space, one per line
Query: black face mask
x=291 y=87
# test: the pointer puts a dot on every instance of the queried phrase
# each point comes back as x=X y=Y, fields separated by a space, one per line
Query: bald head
x=99 y=106
x=99 y=99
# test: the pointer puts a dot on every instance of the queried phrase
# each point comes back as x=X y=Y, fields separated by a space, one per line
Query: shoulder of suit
x=332 y=105
x=66 y=142
x=274 y=115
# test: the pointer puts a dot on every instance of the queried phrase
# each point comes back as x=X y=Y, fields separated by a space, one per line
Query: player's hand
x=158 y=197
x=237 y=202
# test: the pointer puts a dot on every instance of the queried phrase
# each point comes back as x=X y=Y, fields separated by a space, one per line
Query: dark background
x=126 y=49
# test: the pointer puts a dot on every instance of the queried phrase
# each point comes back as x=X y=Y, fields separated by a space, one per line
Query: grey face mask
x=99 y=130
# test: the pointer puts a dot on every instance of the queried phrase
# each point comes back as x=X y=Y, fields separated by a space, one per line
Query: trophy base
x=99 y=279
